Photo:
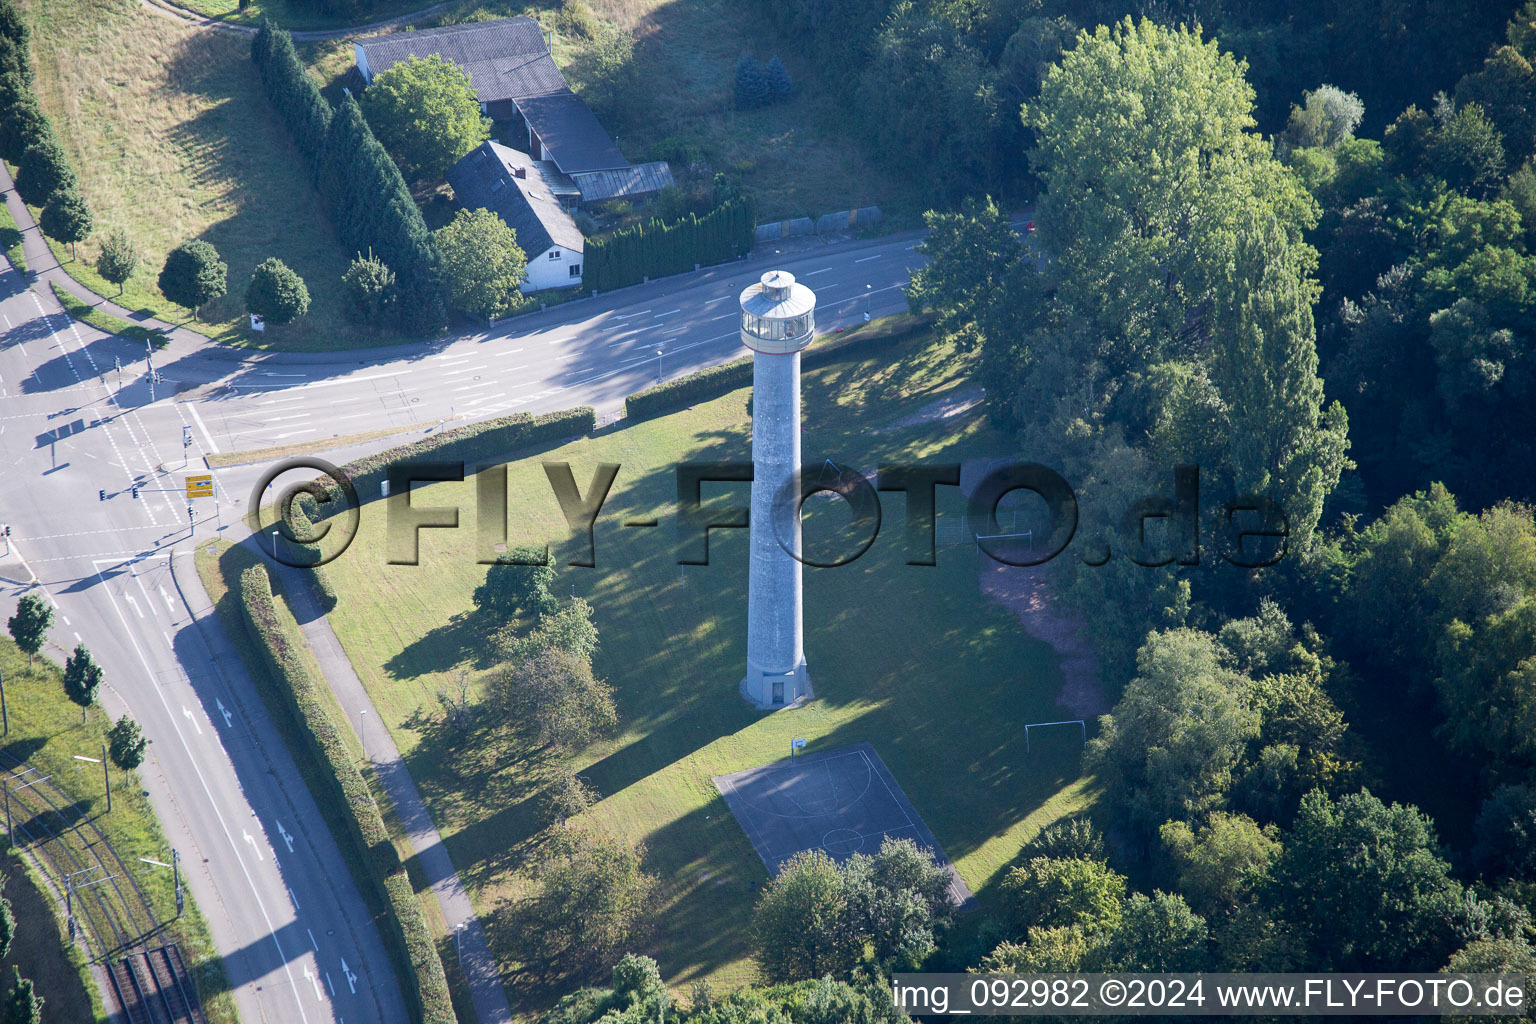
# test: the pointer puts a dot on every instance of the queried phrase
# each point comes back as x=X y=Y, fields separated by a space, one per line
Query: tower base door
x=770 y=691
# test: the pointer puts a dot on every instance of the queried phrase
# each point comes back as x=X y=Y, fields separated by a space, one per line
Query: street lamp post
x=458 y=944
x=658 y=366
x=274 y=545
x=362 y=737
x=868 y=290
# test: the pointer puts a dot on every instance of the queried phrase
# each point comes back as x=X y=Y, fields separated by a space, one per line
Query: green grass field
x=46 y=732
x=173 y=139
x=913 y=660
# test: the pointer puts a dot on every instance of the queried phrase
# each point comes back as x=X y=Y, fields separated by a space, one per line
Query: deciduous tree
x=67 y=218
x=591 y=898
x=126 y=743
x=118 y=259
x=803 y=926
x=44 y=169
x=425 y=112
x=29 y=626
x=1169 y=747
x=193 y=274
x=554 y=696
x=520 y=585
x=82 y=678
x=482 y=263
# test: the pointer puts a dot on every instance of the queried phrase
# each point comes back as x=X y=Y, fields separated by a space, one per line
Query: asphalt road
x=79 y=418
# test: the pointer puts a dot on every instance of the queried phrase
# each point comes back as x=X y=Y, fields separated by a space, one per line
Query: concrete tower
x=777 y=321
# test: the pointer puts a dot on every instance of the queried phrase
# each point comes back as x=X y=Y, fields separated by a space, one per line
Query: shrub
x=752 y=89
x=276 y=293
x=369 y=289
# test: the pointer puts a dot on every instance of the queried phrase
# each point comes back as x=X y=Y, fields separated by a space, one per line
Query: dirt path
x=169 y=9
x=1027 y=593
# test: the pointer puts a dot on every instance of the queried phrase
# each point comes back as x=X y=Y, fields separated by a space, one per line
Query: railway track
x=108 y=911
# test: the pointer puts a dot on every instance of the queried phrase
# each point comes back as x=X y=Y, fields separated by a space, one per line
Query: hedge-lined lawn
x=913 y=660
x=173 y=139
x=47 y=733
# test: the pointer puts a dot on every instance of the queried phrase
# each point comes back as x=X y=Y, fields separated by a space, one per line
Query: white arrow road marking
x=223 y=711
x=135 y=604
x=351 y=978
x=187 y=712
x=169 y=607
x=284 y=833
x=253 y=843
x=310 y=977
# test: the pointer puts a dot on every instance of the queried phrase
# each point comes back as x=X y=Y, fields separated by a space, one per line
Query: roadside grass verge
x=103 y=321
x=46 y=732
x=912 y=659
x=10 y=241
x=173 y=139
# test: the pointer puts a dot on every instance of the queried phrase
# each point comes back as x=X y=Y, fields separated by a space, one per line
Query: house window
x=554 y=254
x=575 y=269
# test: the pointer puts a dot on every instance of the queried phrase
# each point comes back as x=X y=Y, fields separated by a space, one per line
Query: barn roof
x=571 y=133
x=488 y=178
x=506 y=59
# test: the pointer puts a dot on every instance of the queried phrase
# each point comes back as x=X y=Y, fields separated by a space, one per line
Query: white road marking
x=169 y=607
x=330 y=985
x=351 y=978
x=280 y=401
x=727 y=316
x=225 y=712
x=866 y=259
x=254 y=845
x=284 y=833
x=477 y=387
x=667 y=313
x=187 y=714
x=202 y=780
x=312 y=941
x=310 y=977
x=626 y=316
x=823 y=270
x=136 y=608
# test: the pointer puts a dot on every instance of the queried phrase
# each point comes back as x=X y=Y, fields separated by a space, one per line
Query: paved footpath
x=478 y=964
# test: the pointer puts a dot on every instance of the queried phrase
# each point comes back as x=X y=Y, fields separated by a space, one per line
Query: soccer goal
x=1043 y=725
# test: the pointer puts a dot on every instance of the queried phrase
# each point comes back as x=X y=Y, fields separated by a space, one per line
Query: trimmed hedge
x=471 y=444
x=694 y=387
x=655 y=249
x=410 y=940
x=714 y=381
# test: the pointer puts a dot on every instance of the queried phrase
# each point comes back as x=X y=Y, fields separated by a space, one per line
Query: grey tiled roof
x=639 y=180
x=506 y=59
x=571 y=133
x=486 y=179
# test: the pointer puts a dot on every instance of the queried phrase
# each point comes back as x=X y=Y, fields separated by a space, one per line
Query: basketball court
x=843 y=801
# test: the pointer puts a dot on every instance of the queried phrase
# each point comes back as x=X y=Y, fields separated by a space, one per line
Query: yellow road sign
x=200 y=486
